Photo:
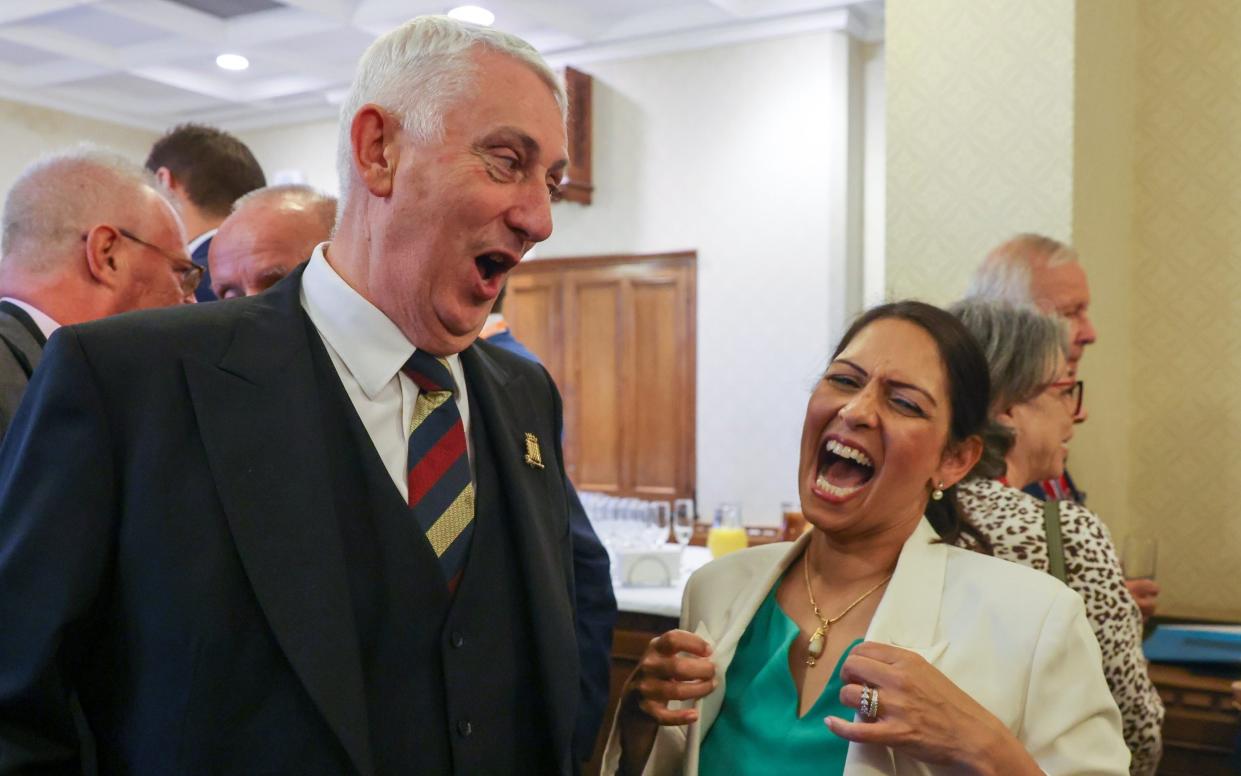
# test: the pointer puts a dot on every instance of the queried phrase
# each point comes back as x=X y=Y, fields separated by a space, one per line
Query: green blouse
x=758 y=730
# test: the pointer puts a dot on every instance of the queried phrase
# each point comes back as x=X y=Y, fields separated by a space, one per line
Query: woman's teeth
x=835 y=490
x=844 y=451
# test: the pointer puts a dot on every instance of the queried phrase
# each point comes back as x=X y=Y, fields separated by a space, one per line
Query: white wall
x=306 y=148
x=735 y=152
x=28 y=132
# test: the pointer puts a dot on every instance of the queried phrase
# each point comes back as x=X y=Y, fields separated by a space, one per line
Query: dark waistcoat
x=451 y=681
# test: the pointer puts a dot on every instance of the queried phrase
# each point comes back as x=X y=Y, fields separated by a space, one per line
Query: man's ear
x=372 y=137
x=166 y=178
x=958 y=459
x=101 y=260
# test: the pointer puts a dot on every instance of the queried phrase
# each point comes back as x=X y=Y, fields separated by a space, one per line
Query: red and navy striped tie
x=441 y=494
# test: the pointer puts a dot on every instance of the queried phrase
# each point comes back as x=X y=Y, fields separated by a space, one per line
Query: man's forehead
x=1060 y=284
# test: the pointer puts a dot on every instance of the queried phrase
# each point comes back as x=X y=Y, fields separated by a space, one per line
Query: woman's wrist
x=1000 y=753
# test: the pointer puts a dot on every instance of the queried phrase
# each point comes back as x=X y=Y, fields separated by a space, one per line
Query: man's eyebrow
x=528 y=144
x=897 y=383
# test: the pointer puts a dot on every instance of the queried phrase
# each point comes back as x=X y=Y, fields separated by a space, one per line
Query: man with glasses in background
x=86 y=234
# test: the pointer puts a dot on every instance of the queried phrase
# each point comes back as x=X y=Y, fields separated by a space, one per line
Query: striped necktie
x=441 y=494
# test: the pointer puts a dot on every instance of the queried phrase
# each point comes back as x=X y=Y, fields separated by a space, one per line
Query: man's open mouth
x=492 y=264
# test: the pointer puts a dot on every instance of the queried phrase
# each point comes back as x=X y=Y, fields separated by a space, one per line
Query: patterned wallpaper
x=1187 y=300
x=969 y=165
x=1116 y=126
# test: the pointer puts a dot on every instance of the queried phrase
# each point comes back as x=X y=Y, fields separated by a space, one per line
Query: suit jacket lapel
x=256 y=409
x=540 y=526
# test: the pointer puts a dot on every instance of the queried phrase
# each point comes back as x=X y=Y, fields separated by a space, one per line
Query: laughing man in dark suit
x=239 y=554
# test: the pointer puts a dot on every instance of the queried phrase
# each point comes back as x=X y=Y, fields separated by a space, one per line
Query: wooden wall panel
x=533 y=308
x=624 y=332
x=598 y=378
x=659 y=386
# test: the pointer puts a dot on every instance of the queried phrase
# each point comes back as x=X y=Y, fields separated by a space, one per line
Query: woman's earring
x=938 y=492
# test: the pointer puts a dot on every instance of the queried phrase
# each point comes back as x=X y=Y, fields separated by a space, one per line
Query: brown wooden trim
x=577 y=185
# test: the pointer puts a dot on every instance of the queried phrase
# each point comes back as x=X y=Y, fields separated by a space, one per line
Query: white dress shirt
x=368 y=351
x=199 y=240
x=40 y=318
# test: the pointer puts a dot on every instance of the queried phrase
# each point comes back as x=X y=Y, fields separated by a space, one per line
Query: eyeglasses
x=188 y=272
x=1073 y=391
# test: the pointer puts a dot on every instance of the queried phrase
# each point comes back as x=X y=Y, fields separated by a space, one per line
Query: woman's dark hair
x=969 y=393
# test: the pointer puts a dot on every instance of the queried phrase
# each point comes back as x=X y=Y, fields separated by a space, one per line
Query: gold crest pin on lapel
x=534 y=459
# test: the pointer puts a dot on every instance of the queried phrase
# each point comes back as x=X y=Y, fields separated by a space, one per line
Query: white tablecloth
x=664 y=601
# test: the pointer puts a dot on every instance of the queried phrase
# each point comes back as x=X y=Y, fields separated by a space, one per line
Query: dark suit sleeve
x=56 y=534
x=594 y=606
x=596 y=615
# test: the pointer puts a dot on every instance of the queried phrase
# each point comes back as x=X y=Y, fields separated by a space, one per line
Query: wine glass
x=660 y=516
x=1137 y=557
x=683 y=521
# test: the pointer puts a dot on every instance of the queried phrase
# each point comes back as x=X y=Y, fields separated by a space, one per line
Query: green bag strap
x=1055 y=544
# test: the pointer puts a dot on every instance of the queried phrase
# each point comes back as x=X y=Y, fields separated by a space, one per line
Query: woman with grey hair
x=1033 y=402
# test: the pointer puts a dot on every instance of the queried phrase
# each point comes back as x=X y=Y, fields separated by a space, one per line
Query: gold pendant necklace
x=818 y=639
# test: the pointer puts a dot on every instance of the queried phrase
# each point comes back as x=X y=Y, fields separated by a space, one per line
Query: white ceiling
x=151 y=63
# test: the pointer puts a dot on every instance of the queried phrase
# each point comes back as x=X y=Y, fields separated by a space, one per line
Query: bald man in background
x=86 y=234
x=270 y=231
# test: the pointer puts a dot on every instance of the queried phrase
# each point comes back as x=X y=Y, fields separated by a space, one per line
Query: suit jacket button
x=464 y=728
x=458 y=639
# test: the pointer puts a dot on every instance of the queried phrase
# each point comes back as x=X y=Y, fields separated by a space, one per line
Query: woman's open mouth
x=843 y=470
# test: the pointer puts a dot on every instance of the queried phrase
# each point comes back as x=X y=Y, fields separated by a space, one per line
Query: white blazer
x=1014 y=639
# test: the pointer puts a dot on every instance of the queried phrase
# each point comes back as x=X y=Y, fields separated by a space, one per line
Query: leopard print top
x=1013 y=522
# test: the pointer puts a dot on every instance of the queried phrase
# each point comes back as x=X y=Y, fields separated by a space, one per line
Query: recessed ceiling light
x=473 y=14
x=232 y=62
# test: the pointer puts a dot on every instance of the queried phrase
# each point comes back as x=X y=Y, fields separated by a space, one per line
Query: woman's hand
x=676 y=666
x=924 y=715
x=1146 y=593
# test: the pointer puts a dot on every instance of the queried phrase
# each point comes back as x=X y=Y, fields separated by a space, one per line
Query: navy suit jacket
x=203 y=293
x=595 y=603
x=167 y=525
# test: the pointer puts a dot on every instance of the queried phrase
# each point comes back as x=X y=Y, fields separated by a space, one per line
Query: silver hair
x=1005 y=274
x=308 y=198
x=58 y=197
x=418 y=70
x=1022 y=345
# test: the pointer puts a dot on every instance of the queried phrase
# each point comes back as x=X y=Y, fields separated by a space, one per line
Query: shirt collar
x=199 y=240
x=40 y=318
x=371 y=346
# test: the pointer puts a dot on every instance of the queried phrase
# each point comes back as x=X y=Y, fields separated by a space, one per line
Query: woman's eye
x=844 y=381
x=907 y=406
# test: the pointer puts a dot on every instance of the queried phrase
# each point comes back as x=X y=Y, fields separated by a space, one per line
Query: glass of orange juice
x=726 y=534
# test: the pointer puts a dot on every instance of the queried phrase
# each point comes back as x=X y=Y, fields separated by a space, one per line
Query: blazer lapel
x=256 y=409
x=540 y=526
x=754 y=590
x=906 y=617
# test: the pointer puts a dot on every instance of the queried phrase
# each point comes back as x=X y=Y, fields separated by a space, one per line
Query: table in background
x=1201 y=731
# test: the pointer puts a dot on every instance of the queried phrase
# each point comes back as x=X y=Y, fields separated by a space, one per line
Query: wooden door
x=623 y=331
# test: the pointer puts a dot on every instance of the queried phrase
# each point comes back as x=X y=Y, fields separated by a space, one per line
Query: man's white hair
x=1006 y=274
x=59 y=197
x=418 y=70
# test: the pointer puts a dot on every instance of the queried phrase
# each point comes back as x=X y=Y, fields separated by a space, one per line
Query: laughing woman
x=1034 y=401
x=954 y=661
